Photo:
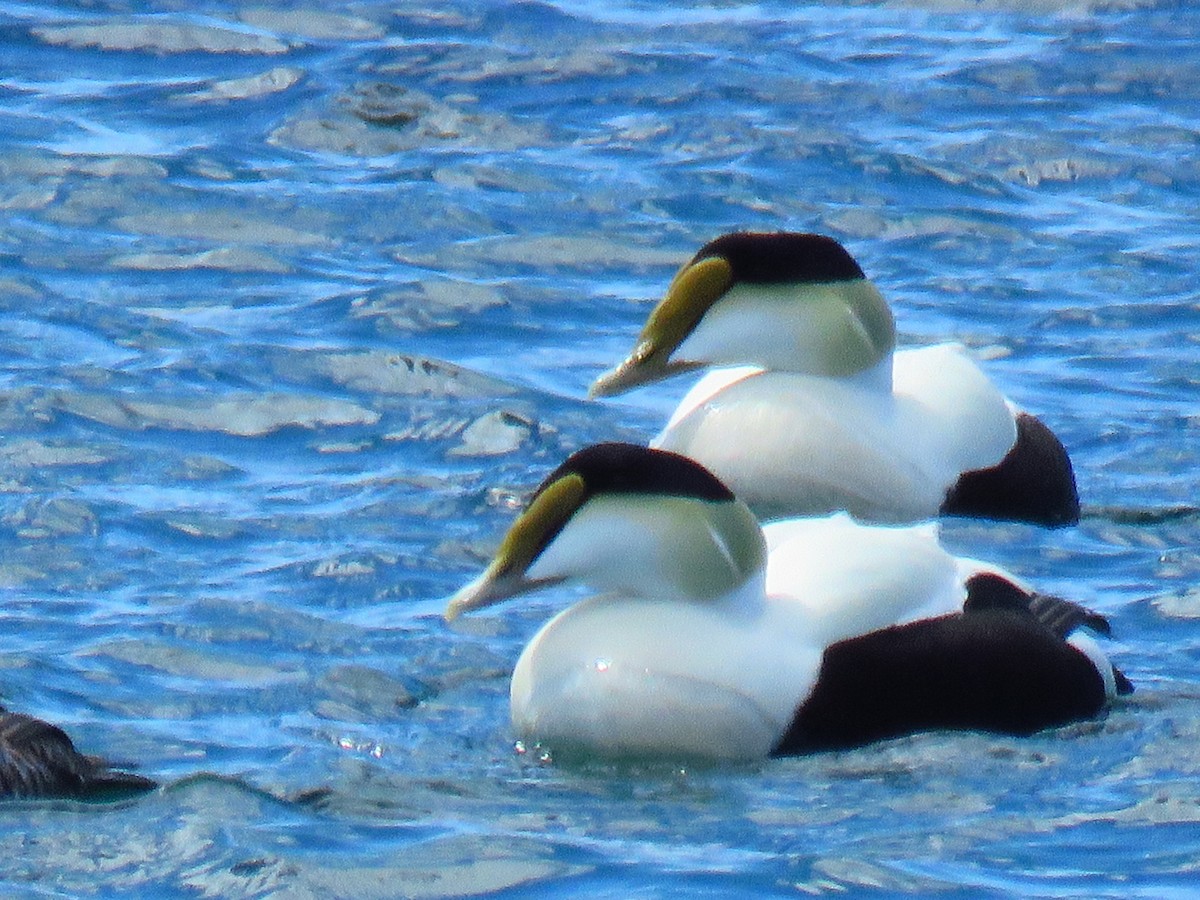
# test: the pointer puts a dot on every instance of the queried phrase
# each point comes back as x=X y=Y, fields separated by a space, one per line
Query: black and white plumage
x=37 y=759
x=716 y=638
x=814 y=410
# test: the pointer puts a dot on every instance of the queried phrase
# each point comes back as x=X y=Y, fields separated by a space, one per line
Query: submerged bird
x=37 y=759
x=816 y=410
x=719 y=638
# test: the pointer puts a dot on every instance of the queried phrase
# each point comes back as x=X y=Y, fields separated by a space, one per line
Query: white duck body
x=632 y=674
x=715 y=637
x=627 y=676
x=885 y=444
x=822 y=413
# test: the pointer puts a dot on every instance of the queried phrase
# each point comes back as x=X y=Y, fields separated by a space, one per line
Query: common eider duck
x=816 y=411
x=718 y=638
x=37 y=759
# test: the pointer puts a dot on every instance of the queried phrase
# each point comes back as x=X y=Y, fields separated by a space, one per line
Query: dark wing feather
x=988 y=591
x=1034 y=483
x=1062 y=616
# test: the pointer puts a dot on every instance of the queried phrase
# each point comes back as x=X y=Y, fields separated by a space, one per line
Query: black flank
x=1034 y=483
x=995 y=670
x=783 y=257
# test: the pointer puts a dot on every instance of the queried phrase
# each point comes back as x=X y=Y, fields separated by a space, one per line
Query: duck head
x=626 y=519
x=784 y=301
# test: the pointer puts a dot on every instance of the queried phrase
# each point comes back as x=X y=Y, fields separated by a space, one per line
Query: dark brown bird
x=37 y=759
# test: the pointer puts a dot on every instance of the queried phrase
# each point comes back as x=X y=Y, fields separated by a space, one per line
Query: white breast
x=632 y=677
x=791 y=444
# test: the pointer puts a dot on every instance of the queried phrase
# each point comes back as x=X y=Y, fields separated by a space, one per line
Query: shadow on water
x=1148 y=517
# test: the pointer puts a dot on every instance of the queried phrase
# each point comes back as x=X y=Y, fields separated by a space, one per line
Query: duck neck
x=876 y=378
x=747 y=598
x=721 y=555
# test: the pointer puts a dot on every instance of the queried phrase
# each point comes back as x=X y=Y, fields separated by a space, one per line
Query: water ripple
x=298 y=305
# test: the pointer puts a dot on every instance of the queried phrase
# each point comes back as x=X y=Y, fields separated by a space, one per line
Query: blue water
x=296 y=305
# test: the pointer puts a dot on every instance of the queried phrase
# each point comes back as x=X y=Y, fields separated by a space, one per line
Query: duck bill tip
x=477 y=594
x=491 y=588
x=631 y=373
x=607 y=385
x=494 y=585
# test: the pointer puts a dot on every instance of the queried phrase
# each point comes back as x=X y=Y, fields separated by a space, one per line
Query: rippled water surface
x=296 y=304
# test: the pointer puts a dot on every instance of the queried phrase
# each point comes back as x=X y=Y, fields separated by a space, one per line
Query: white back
x=970 y=420
x=852 y=579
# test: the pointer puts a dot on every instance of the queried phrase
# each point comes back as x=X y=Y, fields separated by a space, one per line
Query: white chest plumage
x=796 y=444
x=625 y=676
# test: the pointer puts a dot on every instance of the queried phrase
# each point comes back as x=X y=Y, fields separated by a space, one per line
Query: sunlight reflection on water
x=297 y=306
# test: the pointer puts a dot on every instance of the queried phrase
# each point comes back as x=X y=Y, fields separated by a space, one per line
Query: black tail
x=1034 y=483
